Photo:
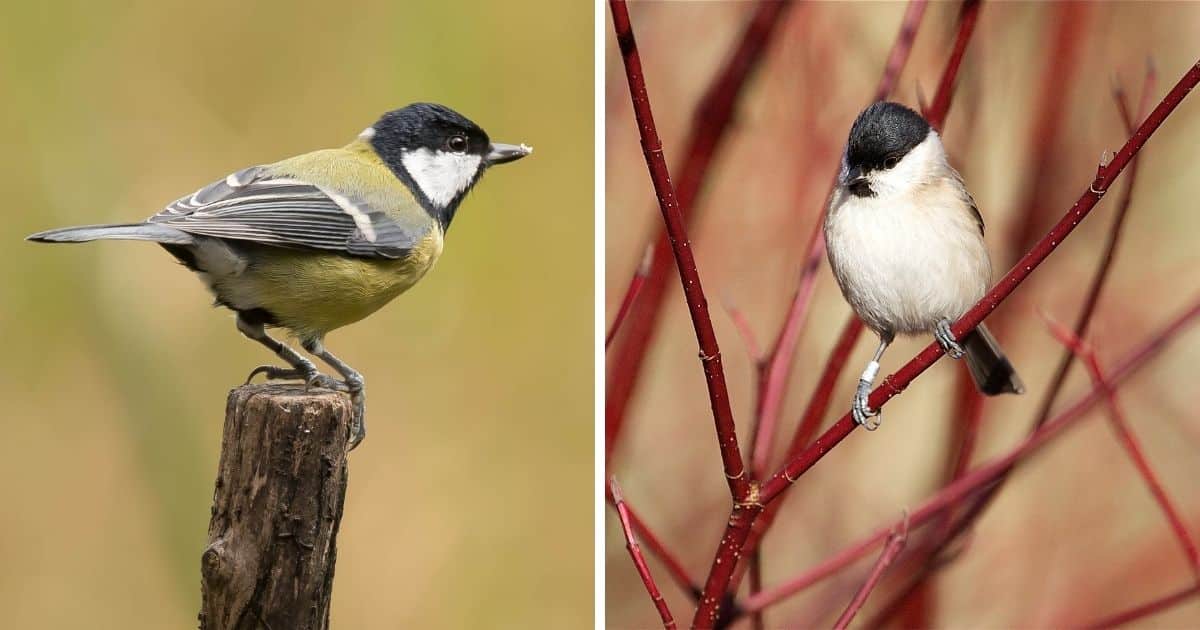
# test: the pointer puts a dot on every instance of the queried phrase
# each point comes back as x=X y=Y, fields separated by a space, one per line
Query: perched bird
x=905 y=241
x=324 y=239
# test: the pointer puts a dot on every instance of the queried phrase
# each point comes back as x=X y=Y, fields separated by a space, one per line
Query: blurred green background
x=117 y=367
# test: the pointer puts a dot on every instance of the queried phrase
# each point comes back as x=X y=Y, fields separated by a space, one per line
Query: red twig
x=1125 y=368
x=782 y=354
x=818 y=404
x=631 y=293
x=1145 y=610
x=893 y=547
x=742 y=325
x=674 y=566
x=936 y=114
x=639 y=560
x=681 y=247
x=709 y=124
x=1128 y=439
x=901 y=48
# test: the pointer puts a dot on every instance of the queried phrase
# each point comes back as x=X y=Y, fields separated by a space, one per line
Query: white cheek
x=441 y=175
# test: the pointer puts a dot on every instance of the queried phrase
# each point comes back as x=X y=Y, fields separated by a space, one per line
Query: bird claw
x=312 y=378
x=861 y=411
x=945 y=338
x=321 y=381
x=275 y=373
x=358 y=424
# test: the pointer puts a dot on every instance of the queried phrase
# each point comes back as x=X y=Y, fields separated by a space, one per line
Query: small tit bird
x=324 y=239
x=905 y=241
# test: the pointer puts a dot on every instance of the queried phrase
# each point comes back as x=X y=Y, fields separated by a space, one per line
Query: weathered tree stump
x=276 y=509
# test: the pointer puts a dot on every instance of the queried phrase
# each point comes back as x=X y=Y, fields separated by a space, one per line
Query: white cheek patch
x=441 y=175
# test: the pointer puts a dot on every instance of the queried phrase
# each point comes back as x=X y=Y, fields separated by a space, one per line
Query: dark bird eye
x=890 y=161
x=457 y=144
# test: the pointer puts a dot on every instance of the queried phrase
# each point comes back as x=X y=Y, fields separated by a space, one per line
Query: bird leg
x=302 y=368
x=354 y=384
x=945 y=338
x=860 y=410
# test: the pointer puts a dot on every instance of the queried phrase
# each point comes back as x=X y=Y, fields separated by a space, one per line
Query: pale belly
x=903 y=269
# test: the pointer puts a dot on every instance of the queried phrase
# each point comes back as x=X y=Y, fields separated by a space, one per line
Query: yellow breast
x=312 y=293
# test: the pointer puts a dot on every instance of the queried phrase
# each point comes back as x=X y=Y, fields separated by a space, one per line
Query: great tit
x=324 y=239
x=905 y=241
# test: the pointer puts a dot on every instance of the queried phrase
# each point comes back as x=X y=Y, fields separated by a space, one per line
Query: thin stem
x=711 y=120
x=1124 y=369
x=1145 y=610
x=660 y=550
x=1128 y=439
x=631 y=292
x=639 y=561
x=893 y=547
x=936 y=114
x=681 y=247
x=742 y=325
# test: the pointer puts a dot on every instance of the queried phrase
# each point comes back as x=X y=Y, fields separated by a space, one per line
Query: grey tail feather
x=121 y=231
x=991 y=370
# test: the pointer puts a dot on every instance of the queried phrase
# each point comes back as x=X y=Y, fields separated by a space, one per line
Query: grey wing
x=975 y=211
x=969 y=199
x=253 y=205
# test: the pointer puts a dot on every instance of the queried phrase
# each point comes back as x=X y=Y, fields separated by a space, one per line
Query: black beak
x=857 y=184
x=855 y=176
x=500 y=153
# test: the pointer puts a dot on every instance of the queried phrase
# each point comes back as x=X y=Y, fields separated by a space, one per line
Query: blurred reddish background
x=1075 y=535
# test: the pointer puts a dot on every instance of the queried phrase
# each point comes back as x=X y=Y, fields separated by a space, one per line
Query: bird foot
x=312 y=378
x=358 y=424
x=862 y=413
x=945 y=338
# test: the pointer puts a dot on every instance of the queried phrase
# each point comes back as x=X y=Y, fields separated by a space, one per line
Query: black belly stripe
x=257 y=316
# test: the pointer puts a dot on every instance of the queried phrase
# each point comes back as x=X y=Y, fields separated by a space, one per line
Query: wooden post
x=276 y=509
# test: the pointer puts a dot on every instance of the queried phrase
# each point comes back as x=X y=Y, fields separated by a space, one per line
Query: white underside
x=904 y=262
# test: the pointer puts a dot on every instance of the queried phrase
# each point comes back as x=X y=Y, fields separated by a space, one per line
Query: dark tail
x=990 y=369
x=121 y=231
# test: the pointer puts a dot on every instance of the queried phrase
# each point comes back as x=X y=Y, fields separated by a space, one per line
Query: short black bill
x=501 y=153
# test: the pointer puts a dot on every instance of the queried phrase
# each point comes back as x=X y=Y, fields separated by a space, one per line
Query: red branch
x=1147 y=609
x=681 y=247
x=639 y=560
x=818 y=404
x=936 y=114
x=674 y=566
x=719 y=579
x=709 y=123
x=742 y=325
x=631 y=293
x=1125 y=368
x=1128 y=439
x=893 y=547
